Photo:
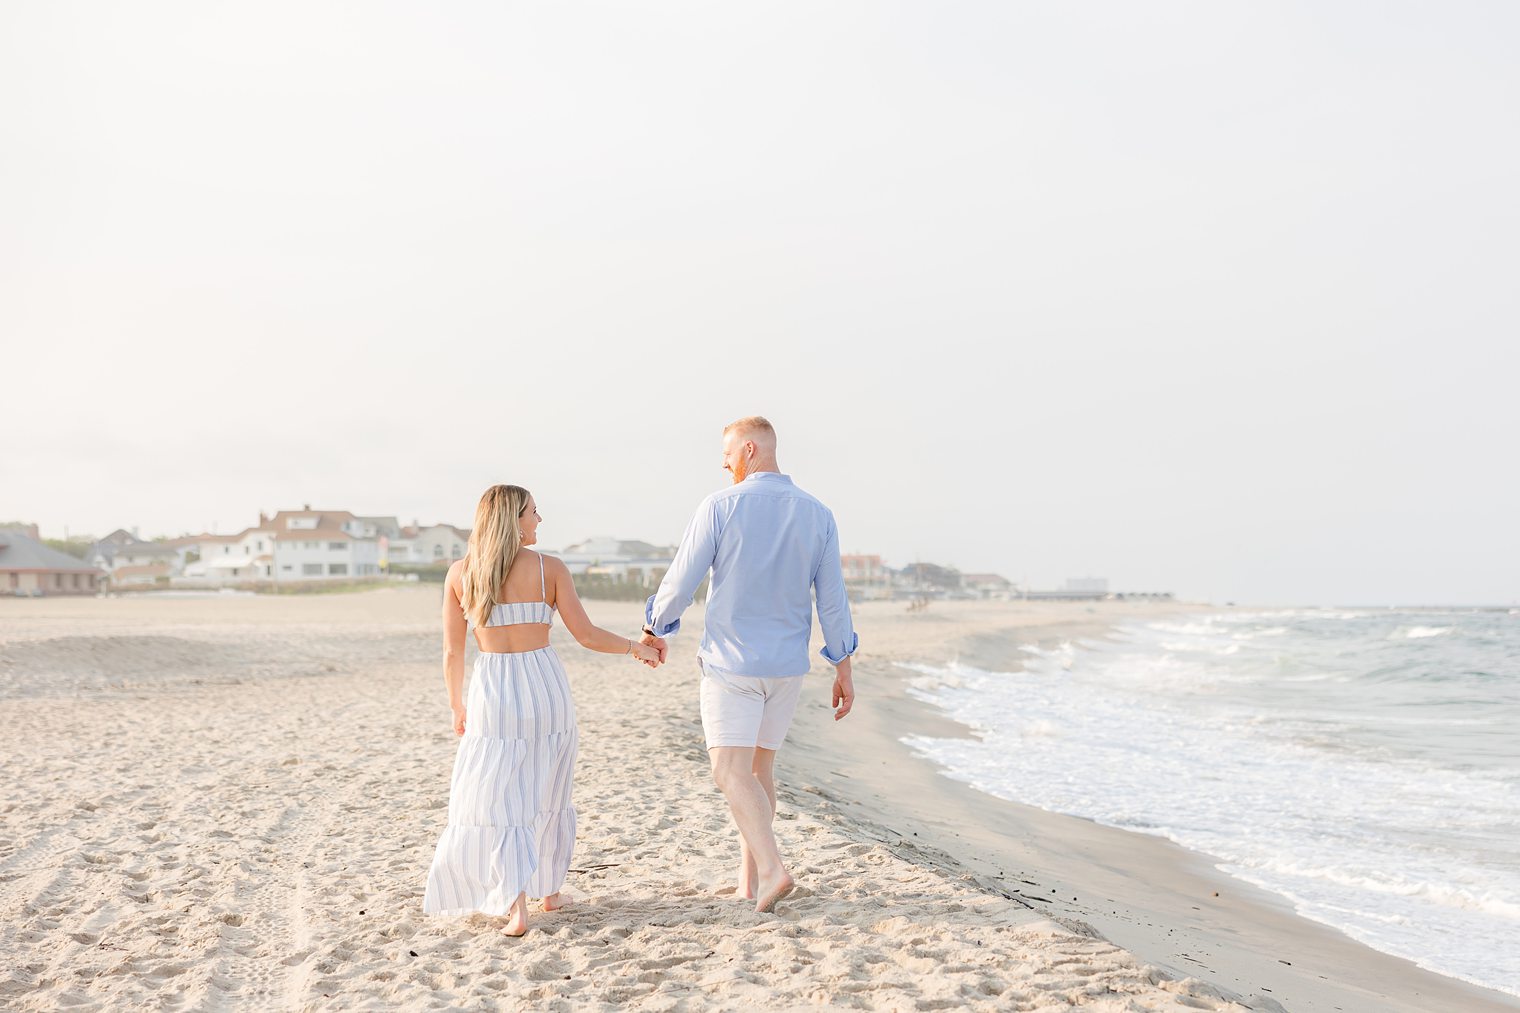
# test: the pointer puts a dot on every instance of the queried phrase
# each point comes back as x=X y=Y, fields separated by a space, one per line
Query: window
x=337 y=569
x=76 y=581
x=336 y=546
x=437 y=552
x=58 y=580
x=311 y=569
x=260 y=545
x=287 y=566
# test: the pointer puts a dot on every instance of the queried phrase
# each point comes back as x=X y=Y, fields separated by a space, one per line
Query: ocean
x=1363 y=764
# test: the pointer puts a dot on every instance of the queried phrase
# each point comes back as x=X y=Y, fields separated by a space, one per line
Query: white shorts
x=747 y=711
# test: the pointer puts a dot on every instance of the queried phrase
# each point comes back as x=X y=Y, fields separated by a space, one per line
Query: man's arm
x=840 y=640
x=839 y=637
x=699 y=547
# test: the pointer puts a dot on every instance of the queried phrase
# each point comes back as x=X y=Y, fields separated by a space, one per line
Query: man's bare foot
x=557 y=901
x=517 y=925
x=773 y=892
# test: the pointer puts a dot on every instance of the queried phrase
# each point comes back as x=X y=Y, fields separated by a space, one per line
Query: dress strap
x=543 y=592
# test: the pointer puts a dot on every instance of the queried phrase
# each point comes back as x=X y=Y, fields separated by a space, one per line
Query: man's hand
x=658 y=643
x=844 y=690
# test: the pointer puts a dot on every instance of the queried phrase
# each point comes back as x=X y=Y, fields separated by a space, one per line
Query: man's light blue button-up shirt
x=772 y=549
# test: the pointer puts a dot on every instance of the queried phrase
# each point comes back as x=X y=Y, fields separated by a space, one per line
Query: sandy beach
x=231 y=803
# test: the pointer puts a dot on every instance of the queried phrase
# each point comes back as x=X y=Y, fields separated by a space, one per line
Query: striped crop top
x=513 y=613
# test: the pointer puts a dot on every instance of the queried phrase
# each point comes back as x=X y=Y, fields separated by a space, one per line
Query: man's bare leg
x=763 y=767
x=733 y=770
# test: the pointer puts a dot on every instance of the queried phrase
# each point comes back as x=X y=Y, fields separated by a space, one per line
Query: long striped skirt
x=511 y=821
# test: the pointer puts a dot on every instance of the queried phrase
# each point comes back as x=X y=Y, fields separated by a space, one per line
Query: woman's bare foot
x=556 y=902
x=517 y=925
x=747 y=882
x=770 y=893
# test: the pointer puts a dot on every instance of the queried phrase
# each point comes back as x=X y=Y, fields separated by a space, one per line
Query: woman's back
x=523 y=609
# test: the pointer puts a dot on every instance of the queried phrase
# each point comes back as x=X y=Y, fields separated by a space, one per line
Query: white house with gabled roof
x=319 y=544
x=291 y=546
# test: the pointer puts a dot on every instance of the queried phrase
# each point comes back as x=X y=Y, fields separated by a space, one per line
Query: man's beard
x=739 y=470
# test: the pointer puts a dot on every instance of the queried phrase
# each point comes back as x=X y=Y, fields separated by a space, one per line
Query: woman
x=511 y=822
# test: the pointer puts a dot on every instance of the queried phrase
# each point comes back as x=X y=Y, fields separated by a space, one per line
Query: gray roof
x=626 y=549
x=387 y=525
x=21 y=552
x=143 y=549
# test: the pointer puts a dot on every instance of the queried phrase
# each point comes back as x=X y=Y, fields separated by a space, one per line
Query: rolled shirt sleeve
x=839 y=637
x=699 y=547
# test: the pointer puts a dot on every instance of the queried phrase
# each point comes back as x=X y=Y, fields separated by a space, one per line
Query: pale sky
x=1217 y=298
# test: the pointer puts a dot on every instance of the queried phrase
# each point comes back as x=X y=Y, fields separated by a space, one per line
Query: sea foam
x=1375 y=788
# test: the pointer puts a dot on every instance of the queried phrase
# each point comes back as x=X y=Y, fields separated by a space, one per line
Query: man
x=771 y=548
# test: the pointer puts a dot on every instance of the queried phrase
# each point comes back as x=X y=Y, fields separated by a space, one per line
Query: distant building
x=291 y=546
x=620 y=559
x=153 y=575
x=105 y=549
x=130 y=561
x=919 y=579
x=987 y=585
x=312 y=544
x=30 y=568
x=865 y=577
x=146 y=554
x=1086 y=584
x=434 y=545
x=245 y=557
x=186 y=546
x=381 y=527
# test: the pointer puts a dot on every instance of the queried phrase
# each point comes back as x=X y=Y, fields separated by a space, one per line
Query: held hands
x=648 y=655
x=658 y=643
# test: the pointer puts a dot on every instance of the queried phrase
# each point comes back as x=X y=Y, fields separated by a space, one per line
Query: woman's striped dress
x=511 y=821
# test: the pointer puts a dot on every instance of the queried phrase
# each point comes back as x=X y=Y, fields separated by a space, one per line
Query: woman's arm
x=586 y=633
x=454 y=630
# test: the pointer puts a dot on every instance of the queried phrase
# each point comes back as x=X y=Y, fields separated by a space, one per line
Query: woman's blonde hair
x=494 y=542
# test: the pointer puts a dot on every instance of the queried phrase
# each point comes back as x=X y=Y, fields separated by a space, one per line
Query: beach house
x=865 y=577
x=132 y=561
x=290 y=546
x=29 y=568
x=312 y=544
x=619 y=560
x=987 y=585
x=433 y=545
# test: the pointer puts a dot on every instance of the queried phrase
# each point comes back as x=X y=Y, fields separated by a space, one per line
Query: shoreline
x=1168 y=905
